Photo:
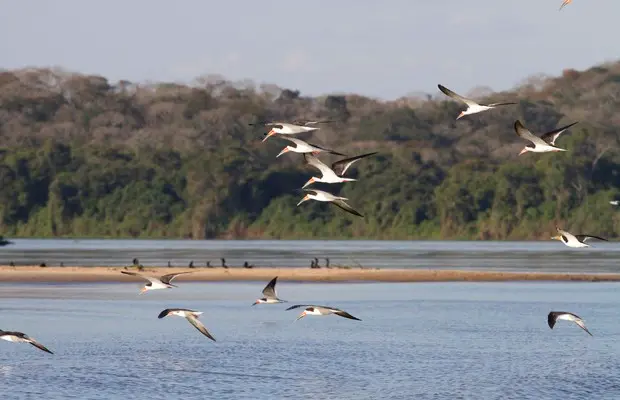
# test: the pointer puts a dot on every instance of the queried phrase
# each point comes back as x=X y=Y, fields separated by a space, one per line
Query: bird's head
x=310 y=181
x=558 y=237
x=270 y=133
x=285 y=150
x=258 y=301
x=306 y=197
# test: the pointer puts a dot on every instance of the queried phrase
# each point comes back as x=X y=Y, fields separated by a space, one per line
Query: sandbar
x=37 y=274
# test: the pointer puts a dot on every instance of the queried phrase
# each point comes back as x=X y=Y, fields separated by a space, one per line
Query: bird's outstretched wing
x=346 y=207
x=346 y=315
x=145 y=277
x=270 y=289
x=38 y=345
x=169 y=277
x=341 y=166
x=527 y=135
x=304 y=306
x=509 y=103
x=551 y=136
x=192 y=319
x=583 y=238
x=455 y=96
x=580 y=323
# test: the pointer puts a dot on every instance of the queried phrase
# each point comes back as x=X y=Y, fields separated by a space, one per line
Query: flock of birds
x=165 y=282
x=335 y=174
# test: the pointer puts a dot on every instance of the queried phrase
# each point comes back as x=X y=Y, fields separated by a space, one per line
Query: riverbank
x=112 y=274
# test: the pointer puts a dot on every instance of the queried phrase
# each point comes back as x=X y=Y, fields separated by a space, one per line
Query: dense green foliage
x=81 y=156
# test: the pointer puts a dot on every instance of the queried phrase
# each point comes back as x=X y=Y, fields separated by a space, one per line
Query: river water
x=498 y=255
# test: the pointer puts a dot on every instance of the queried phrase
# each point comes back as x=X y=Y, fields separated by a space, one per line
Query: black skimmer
x=614 y=202
x=269 y=293
x=472 y=106
x=304 y=147
x=336 y=172
x=286 y=128
x=320 y=195
x=554 y=316
x=19 y=337
x=163 y=282
x=564 y=3
x=574 y=240
x=544 y=143
x=190 y=315
x=321 y=310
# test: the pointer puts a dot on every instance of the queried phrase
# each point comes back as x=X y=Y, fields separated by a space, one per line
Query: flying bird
x=472 y=106
x=286 y=128
x=564 y=3
x=190 y=315
x=321 y=310
x=19 y=337
x=336 y=172
x=574 y=240
x=269 y=293
x=544 y=143
x=614 y=202
x=163 y=282
x=320 y=195
x=554 y=316
x=304 y=147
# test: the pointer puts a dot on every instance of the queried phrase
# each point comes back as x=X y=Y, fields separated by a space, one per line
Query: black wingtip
x=163 y=314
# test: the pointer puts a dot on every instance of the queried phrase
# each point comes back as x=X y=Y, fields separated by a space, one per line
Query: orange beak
x=311 y=181
x=285 y=150
x=523 y=151
x=461 y=115
x=255 y=303
x=306 y=197
x=143 y=290
x=270 y=133
x=303 y=314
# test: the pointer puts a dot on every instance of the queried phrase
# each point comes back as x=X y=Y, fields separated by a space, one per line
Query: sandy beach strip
x=112 y=274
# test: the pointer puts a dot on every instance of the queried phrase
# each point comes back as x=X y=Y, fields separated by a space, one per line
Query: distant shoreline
x=112 y=274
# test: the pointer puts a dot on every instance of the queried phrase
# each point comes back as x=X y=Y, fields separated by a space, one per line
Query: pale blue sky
x=379 y=48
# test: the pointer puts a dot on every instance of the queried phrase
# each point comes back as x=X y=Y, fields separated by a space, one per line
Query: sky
x=383 y=49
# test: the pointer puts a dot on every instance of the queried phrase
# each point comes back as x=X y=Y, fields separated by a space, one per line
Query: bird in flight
x=554 y=316
x=163 y=282
x=574 y=240
x=19 y=337
x=338 y=201
x=190 y=315
x=269 y=294
x=472 y=106
x=321 y=311
x=544 y=143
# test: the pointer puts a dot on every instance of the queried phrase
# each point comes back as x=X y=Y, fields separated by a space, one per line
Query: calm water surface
x=416 y=341
x=542 y=255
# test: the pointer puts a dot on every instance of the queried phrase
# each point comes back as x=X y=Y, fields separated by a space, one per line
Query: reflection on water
x=416 y=341
x=544 y=255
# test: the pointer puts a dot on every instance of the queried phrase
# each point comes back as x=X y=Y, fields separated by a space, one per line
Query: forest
x=81 y=156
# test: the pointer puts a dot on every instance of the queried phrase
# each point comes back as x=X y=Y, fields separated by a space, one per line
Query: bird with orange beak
x=285 y=128
x=321 y=311
x=543 y=144
x=269 y=294
x=163 y=282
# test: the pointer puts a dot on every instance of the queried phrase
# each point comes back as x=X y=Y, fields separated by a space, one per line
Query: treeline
x=82 y=156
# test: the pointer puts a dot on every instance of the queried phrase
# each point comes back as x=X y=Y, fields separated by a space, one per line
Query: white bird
x=163 y=282
x=574 y=240
x=190 y=315
x=544 y=143
x=269 y=293
x=320 y=195
x=566 y=316
x=472 y=106
x=19 y=337
x=565 y=2
x=336 y=172
x=286 y=128
x=304 y=147
x=320 y=311
x=614 y=202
